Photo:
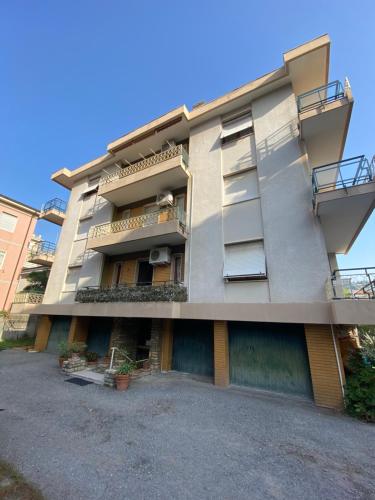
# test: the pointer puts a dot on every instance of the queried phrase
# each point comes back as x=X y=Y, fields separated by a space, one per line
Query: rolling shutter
x=245 y=259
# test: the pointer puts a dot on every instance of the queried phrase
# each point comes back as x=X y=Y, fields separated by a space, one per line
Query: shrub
x=64 y=350
x=91 y=356
x=360 y=388
x=126 y=368
x=77 y=347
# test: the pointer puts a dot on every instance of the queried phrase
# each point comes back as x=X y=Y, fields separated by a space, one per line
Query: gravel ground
x=173 y=437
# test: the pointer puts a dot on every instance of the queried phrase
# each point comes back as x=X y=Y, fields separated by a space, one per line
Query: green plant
x=64 y=349
x=38 y=281
x=91 y=356
x=77 y=347
x=360 y=388
x=125 y=368
x=367 y=339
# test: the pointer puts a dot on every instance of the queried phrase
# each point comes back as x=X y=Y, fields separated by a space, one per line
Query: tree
x=38 y=281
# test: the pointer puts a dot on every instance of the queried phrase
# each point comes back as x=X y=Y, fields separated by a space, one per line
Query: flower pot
x=61 y=361
x=122 y=382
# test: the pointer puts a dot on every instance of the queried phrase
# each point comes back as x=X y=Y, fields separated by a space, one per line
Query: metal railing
x=146 y=163
x=353 y=283
x=343 y=174
x=42 y=248
x=54 y=204
x=320 y=96
x=28 y=298
x=158 y=217
x=123 y=356
x=155 y=291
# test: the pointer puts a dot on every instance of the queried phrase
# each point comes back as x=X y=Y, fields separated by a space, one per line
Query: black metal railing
x=320 y=96
x=343 y=174
x=55 y=204
x=354 y=283
x=42 y=248
x=156 y=291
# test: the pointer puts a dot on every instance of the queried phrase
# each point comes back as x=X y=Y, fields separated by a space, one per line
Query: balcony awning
x=233 y=126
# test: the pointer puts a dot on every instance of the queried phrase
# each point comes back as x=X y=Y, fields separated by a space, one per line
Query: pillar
x=124 y=335
x=221 y=353
x=78 y=329
x=42 y=333
x=156 y=328
x=325 y=366
x=166 y=345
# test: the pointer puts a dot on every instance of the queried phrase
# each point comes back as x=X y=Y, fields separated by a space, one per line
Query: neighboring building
x=17 y=223
x=206 y=240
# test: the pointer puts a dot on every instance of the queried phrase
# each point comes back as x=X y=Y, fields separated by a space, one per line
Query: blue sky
x=78 y=74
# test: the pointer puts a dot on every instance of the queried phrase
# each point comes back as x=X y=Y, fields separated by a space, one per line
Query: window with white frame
x=241 y=187
x=245 y=260
x=236 y=127
x=2 y=258
x=8 y=222
x=178 y=268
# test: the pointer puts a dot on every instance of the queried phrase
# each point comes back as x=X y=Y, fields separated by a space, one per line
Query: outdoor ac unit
x=165 y=198
x=160 y=256
x=168 y=144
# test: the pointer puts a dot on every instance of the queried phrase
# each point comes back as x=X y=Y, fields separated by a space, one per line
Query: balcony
x=355 y=283
x=166 y=291
x=163 y=171
x=343 y=197
x=28 y=298
x=42 y=253
x=324 y=115
x=54 y=211
x=162 y=228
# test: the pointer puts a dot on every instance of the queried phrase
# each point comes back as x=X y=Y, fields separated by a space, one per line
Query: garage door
x=99 y=335
x=271 y=357
x=193 y=347
x=59 y=333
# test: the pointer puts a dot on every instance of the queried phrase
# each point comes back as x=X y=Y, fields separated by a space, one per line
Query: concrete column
x=221 y=353
x=42 y=334
x=166 y=345
x=325 y=366
x=156 y=328
x=78 y=329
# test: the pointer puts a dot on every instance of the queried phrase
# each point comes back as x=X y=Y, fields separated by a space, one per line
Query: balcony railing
x=320 y=96
x=55 y=204
x=354 y=283
x=42 y=248
x=343 y=174
x=160 y=291
x=146 y=163
x=28 y=298
x=164 y=215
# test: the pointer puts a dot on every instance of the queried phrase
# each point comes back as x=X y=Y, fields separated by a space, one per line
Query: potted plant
x=91 y=358
x=123 y=373
x=77 y=349
x=64 y=352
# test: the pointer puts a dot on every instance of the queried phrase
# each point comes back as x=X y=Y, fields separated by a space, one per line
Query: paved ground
x=171 y=437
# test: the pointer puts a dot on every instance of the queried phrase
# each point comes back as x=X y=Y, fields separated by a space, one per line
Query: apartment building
x=206 y=240
x=17 y=223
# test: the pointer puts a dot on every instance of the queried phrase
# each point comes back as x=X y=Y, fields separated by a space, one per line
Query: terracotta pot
x=122 y=382
x=61 y=361
x=92 y=363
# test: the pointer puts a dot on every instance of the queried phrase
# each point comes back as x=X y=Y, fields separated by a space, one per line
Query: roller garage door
x=59 y=333
x=269 y=356
x=99 y=335
x=193 y=347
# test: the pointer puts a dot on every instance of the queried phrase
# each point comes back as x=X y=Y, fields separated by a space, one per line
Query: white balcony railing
x=28 y=298
x=146 y=163
x=164 y=215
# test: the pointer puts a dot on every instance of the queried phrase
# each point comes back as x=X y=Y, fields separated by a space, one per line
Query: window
x=8 y=222
x=2 y=258
x=178 y=268
x=116 y=278
x=240 y=187
x=236 y=128
x=245 y=261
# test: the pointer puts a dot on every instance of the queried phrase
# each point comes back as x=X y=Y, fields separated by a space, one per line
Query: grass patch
x=10 y=343
x=13 y=485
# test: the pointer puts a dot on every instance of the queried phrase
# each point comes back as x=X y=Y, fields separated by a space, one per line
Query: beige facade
x=219 y=225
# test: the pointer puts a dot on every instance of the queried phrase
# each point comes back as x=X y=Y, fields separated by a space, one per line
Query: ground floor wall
x=298 y=359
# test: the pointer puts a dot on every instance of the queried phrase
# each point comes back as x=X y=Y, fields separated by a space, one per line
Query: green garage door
x=59 y=333
x=193 y=347
x=99 y=335
x=271 y=357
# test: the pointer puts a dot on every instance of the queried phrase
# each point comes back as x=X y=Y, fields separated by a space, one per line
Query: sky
x=78 y=74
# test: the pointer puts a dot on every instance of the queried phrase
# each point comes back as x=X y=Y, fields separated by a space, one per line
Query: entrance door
x=59 y=333
x=271 y=357
x=145 y=273
x=193 y=347
x=99 y=335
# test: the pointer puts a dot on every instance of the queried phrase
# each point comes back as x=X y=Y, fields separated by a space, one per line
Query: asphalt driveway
x=172 y=437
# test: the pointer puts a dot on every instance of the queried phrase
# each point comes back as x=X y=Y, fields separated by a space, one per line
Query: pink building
x=17 y=223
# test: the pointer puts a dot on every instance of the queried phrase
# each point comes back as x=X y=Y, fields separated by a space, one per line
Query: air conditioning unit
x=168 y=144
x=164 y=198
x=160 y=256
